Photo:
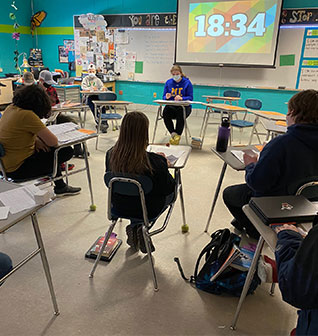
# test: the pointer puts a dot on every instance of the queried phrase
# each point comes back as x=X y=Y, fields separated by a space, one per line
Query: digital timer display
x=232 y=26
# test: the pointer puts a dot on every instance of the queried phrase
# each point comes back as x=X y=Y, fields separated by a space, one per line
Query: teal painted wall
x=142 y=93
x=7 y=44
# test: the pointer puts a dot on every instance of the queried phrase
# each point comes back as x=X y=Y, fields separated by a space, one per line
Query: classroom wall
x=7 y=44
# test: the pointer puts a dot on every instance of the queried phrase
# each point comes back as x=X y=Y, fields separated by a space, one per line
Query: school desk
x=179 y=164
x=85 y=136
x=17 y=218
x=112 y=114
x=223 y=108
x=261 y=116
x=73 y=107
x=163 y=102
x=229 y=159
x=266 y=235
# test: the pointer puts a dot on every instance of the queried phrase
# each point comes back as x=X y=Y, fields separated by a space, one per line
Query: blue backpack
x=231 y=280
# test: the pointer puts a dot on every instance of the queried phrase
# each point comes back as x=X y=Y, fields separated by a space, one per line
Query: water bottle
x=223 y=135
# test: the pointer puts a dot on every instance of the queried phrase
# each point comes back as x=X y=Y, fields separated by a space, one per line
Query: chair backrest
x=254 y=104
x=107 y=96
x=232 y=93
x=309 y=190
x=126 y=185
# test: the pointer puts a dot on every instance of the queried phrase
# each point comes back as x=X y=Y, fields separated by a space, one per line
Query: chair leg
x=106 y=238
x=148 y=248
x=248 y=280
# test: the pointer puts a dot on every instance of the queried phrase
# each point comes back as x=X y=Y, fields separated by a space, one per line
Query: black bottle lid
x=225 y=122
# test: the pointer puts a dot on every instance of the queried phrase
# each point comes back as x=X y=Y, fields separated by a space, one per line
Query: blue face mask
x=176 y=77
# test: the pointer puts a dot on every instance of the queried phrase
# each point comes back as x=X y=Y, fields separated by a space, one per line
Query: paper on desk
x=62 y=128
x=4 y=212
x=71 y=136
x=17 y=200
x=171 y=154
x=239 y=154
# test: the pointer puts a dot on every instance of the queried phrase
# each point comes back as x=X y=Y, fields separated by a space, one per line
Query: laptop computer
x=283 y=209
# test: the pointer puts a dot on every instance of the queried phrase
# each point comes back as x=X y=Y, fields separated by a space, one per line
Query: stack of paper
x=62 y=128
x=171 y=154
x=67 y=132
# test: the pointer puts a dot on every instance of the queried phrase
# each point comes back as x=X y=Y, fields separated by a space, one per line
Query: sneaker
x=103 y=128
x=132 y=239
x=80 y=155
x=142 y=244
x=70 y=166
x=175 y=140
x=67 y=191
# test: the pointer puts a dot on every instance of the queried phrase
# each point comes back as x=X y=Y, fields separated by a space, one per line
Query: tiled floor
x=120 y=299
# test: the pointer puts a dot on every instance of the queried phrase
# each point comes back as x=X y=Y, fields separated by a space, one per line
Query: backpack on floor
x=231 y=280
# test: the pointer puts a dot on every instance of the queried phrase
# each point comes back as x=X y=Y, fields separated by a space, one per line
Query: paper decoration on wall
x=100 y=35
x=15 y=35
x=91 y=21
x=37 y=19
x=63 y=54
x=69 y=45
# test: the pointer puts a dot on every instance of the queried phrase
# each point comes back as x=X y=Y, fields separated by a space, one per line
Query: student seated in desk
x=286 y=160
x=129 y=156
x=176 y=88
x=28 y=144
x=93 y=83
x=47 y=82
x=297 y=266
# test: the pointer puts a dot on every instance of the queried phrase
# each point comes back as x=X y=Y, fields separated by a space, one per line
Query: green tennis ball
x=185 y=228
x=92 y=207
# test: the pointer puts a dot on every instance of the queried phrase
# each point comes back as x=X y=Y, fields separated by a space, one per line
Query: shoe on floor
x=70 y=166
x=67 y=191
x=237 y=225
x=142 y=244
x=175 y=140
x=132 y=239
x=103 y=128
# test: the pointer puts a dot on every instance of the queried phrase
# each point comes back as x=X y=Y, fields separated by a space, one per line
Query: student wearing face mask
x=176 y=88
x=93 y=83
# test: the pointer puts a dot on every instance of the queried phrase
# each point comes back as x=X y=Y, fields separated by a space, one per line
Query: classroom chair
x=254 y=104
x=310 y=191
x=109 y=113
x=138 y=186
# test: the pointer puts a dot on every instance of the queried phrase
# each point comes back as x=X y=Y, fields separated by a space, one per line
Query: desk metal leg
x=185 y=227
x=216 y=195
x=44 y=262
x=89 y=179
x=253 y=129
x=203 y=126
x=185 y=125
x=248 y=280
x=208 y=111
x=99 y=122
x=156 y=123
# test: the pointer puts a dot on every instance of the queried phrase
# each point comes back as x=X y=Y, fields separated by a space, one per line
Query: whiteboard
x=155 y=48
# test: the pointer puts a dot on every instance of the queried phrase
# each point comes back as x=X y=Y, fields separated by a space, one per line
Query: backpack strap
x=218 y=239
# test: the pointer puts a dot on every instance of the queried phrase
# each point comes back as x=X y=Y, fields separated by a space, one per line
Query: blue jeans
x=92 y=107
x=5 y=265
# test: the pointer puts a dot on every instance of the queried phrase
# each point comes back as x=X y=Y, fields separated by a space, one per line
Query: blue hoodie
x=285 y=162
x=183 y=88
x=297 y=260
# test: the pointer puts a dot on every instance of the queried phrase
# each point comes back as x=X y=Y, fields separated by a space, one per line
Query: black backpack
x=231 y=280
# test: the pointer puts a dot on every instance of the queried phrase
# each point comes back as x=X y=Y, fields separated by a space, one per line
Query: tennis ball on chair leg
x=92 y=207
x=185 y=228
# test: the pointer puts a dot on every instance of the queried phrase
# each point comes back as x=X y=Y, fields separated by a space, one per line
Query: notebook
x=282 y=209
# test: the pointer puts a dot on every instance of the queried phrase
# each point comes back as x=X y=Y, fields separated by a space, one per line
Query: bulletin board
x=308 y=65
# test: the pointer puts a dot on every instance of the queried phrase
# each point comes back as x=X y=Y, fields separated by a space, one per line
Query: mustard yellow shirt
x=18 y=130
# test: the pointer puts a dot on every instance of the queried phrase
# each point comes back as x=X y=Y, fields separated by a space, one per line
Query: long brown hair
x=129 y=153
x=303 y=106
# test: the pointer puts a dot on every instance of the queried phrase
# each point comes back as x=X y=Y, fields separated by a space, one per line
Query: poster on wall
x=63 y=54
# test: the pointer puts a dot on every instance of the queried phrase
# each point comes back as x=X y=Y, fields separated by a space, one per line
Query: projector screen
x=229 y=33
